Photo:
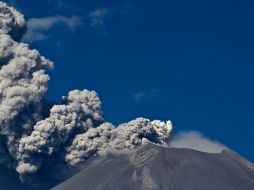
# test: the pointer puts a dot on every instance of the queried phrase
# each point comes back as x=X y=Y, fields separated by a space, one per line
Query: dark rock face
x=153 y=167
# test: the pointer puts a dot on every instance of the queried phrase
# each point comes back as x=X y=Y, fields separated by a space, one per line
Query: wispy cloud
x=97 y=17
x=61 y=4
x=38 y=27
x=141 y=95
x=196 y=141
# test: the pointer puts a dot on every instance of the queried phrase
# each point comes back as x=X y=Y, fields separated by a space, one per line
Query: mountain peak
x=155 y=167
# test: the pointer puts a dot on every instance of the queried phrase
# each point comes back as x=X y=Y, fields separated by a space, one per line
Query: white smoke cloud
x=196 y=141
x=36 y=27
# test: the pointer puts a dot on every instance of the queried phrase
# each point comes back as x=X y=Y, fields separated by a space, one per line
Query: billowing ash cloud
x=31 y=135
x=23 y=83
x=127 y=136
x=11 y=22
x=81 y=112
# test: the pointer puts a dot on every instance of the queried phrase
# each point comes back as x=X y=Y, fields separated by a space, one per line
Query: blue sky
x=188 y=61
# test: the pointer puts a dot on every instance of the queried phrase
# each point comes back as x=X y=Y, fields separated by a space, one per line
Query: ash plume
x=71 y=132
x=12 y=22
x=81 y=112
x=125 y=137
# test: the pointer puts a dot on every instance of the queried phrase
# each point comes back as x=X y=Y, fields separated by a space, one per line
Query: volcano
x=153 y=167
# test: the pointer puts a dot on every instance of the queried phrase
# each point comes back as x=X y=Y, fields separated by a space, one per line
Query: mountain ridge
x=155 y=167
